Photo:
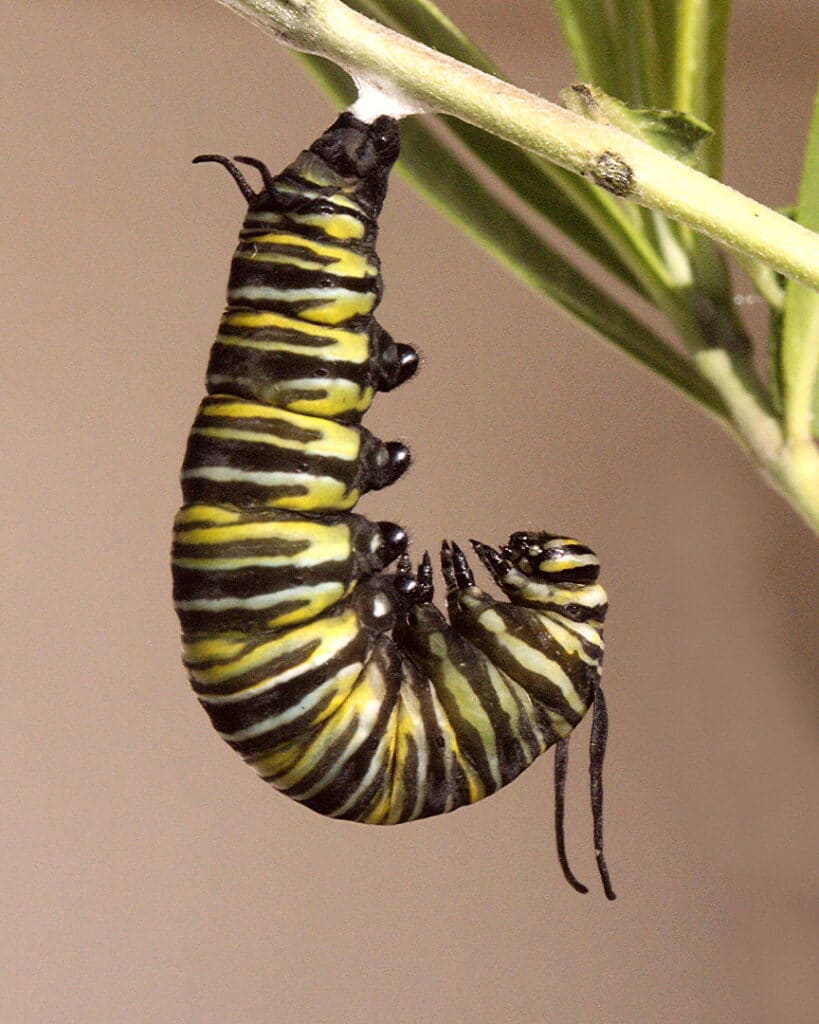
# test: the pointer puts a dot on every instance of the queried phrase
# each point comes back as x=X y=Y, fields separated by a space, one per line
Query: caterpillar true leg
x=311 y=642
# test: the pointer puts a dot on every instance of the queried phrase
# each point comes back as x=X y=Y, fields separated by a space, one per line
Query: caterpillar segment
x=311 y=642
x=250 y=454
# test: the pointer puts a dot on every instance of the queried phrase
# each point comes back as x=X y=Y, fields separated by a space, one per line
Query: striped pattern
x=247 y=453
x=265 y=569
x=336 y=679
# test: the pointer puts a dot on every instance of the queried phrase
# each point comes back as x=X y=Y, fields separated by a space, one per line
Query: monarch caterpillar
x=337 y=680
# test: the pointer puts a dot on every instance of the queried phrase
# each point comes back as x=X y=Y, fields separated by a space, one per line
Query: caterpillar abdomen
x=333 y=676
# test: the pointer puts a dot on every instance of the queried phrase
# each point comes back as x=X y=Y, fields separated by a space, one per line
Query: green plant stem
x=765 y=281
x=615 y=224
x=792 y=468
x=448 y=185
x=440 y=83
x=590 y=217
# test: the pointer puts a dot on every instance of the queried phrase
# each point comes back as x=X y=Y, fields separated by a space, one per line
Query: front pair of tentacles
x=330 y=672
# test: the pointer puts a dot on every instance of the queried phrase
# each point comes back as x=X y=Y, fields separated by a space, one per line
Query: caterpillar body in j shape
x=311 y=642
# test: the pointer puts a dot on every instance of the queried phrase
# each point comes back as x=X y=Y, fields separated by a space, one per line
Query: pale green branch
x=791 y=468
x=610 y=157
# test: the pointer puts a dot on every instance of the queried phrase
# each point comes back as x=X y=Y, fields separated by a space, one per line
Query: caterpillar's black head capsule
x=552 y=558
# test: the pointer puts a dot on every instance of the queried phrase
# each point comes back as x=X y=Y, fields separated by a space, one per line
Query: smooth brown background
x=146 y=875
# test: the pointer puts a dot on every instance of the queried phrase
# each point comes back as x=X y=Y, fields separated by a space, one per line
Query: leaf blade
x=699 y=70
x=590 y=37
x=798 y=357
x=514 y=244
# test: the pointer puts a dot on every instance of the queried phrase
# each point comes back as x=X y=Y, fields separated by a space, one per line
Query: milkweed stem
x=442 y=84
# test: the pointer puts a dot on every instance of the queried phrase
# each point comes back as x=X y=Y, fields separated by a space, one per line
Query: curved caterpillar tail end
x=361 y=151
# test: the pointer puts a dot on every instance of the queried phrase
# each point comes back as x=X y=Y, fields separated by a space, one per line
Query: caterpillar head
x=352 y=157
x=550 y=558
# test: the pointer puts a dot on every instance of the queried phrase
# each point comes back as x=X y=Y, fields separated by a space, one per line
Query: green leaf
x=514 y=244
x=798 y=359
x=451 y=187
x=677 y=134
x=699 y=90
x=589 y=35
x=663 y=17
x=572 y=210
x=699 y=69
x=775 y=325
x=335 y=82
x=637 y=53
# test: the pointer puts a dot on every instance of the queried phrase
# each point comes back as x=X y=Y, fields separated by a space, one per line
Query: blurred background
x=145 y=874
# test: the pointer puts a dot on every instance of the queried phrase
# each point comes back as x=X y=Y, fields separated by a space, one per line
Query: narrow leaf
x=678 y=134
x=699 y=71
x=799 y=352
x=699 y=90
x=588 y=34
x=573 y=211
x=663 y=16
x=637 y=53
x=513 y=243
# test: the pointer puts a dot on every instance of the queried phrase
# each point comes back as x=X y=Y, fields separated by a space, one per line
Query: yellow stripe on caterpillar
x=318 y=436
x=212 y=661
x=334 y=259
